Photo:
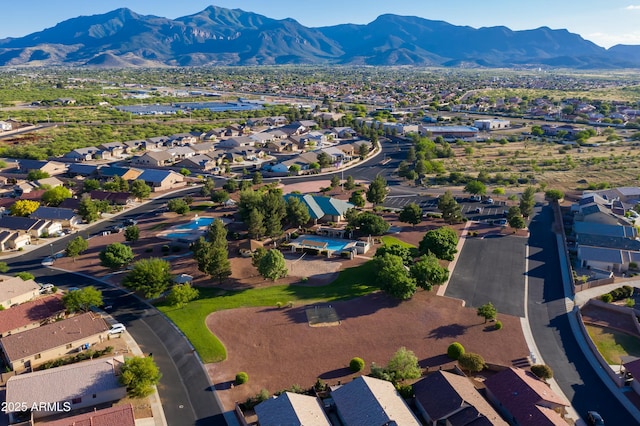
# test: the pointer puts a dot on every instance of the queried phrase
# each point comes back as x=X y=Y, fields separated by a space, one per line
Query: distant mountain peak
x=221 y=36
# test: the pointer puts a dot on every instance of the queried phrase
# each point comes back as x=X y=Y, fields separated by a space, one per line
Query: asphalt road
x=552 y=332
x=491 y=270
x=185 y=390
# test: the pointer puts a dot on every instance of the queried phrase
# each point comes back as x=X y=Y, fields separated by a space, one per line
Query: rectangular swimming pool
x=333 y=244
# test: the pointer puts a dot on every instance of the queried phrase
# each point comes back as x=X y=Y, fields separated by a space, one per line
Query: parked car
x=46 y=288
x=47 y=261
x=117 y=329
x=488 y=201
x=478 y=210
x=475 y=198
x=594 y=418
x=130 y=222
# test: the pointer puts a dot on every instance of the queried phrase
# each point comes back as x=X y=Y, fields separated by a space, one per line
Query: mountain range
x=220 y=36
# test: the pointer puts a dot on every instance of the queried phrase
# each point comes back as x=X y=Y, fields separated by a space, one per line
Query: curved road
x=552 y=332
x=187 y=395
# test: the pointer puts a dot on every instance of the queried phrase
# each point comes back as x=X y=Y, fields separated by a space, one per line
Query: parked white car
x=117 y=329
x=46 y=288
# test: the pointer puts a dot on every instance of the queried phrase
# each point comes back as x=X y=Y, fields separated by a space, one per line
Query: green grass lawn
x=389 y=241
x=200 y=207
x=352 y=282
x=613 y=344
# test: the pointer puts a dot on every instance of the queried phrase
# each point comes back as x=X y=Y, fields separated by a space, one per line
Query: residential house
x=262 y=138
x=282 y=146
x=293 y=129
x=162 y=180
x=134 y=145
x=591 y=228
x=278 y=134
x=157 y=142
x=277 y=120
x=492 y=124
x=282 y=167
x=31 y=314
x=199 y=162
x=115 y=149
x=25 y=225
x=236 y=142
x=344 y=132
x=80 y=169
x=117 y=415
x=633 y=368
x=565 y=129
x=118 y=198
x=366 y=401
x=23 y=188
x=51 y=167
x=607 y=259
x=291 y=409
x=87 y=154
x=204 y=147
x=126 y=173
x=70 y=387
x=50 y=182
x=462 y=132
x=180 y=152
x=598 y=213
x=31 y=348
x=153 y=159
x=323 y=209
x=338 y=156
x=12 y=240
x=184 y=139
x=67 y=217
x=524 y=399
x=15 y=290
x=442 y=397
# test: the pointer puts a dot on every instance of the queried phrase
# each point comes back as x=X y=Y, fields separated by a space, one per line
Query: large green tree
x=404 y=365
x=82 y=300
x=475 y=187
x=471 y=362
x=392 y=277
x=211 y=260
x=139 y=375
x=181 y=294
x=377 y=191
x=150 y=276
x=427 y=272
x=140 y=189
x=255 y=224
x=487 y=311
x=76 y=247
x=54 y=196
x=88 y=210
x=132 y=233
x=450 y=209
x=369 y=223
x=297 y=212
x=116 y=256
x=272 y=265
x=411 y=213
x=217 y=235
x=441 y=242
x=527 y=201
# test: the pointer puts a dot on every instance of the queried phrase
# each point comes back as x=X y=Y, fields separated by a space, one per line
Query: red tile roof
x=118 y=415
x=34 y=311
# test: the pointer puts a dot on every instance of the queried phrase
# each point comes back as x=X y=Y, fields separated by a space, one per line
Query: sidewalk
x=158 y=418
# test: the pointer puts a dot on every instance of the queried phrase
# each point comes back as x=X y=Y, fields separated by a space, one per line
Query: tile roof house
x=15 y=290
x=591 y=228
x=126 y=173
x=67 y=217
x=31 y=314
x=366 y=401
x=447 y=397
x=87 y=154
x=524 y=399
x=119 y=198
x=162 y=180
x=291 y=409
x=323 y=209
x=11 y=240
x=80 y=169
x=607 y=259
x=51 y=167
x=33 y=347
x=118 y=415
x=74 y=386
x=201 y=162
x=153 y=159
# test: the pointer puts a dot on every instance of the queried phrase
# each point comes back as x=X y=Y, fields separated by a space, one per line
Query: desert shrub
x=497 y=325
x=629 y=302
x=606 y=298
x=455 y=350
x=405 y=391
x=542 y=371
x=356 y=364
x=242 y=378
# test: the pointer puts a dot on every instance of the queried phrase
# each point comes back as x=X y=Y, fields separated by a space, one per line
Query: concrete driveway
x=491 y=269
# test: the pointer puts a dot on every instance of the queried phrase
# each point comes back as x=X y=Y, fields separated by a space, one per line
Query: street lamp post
x=51 y=245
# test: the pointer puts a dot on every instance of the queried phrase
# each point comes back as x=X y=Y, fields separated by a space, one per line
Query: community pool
x=333 y=244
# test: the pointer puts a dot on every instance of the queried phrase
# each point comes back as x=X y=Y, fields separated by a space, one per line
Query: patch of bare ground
x=278 y=349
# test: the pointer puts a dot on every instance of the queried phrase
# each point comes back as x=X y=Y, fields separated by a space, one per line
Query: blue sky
x=605 y=22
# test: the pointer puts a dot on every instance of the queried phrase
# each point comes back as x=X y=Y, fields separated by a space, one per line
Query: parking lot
x=491 y=269
x=473 y=210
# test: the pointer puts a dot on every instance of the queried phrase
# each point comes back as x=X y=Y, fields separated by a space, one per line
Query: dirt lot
x=278 y=349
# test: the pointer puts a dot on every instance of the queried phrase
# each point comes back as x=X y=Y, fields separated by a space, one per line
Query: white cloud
x=608 y=40
x=632 y=7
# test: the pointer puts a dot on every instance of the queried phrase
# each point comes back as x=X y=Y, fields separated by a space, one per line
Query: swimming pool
x=333 y=244
x=189 y=231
